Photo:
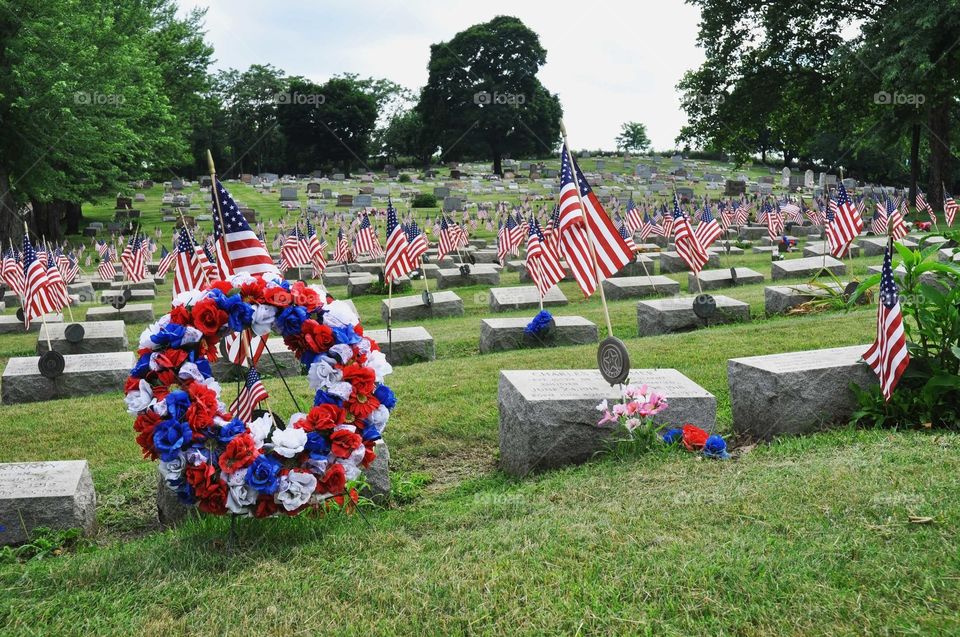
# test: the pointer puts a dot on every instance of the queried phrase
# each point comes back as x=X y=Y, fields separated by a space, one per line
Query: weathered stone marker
x=723 y=278
x=548 y=418
x=10 y=324
x=524 y=298
x=807 y=266
x=501 y=334
x=139 y=313
x=57 y=495
x=83 y=374
x=780 y=298
x=635 y=287
x=796 y=392
x=481 y=274
x=410 y=344
x=662 y=316
x=413 y=308
x=99 y=336
x=670 y=262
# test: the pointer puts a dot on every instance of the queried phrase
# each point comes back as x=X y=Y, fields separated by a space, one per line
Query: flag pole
x=583 y=213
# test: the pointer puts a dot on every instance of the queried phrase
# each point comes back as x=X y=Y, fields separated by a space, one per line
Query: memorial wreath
x=260 y=466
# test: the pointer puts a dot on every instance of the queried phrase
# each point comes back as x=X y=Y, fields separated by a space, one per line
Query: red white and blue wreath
x=224 y=460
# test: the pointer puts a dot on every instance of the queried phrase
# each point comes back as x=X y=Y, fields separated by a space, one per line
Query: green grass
x=803 y=536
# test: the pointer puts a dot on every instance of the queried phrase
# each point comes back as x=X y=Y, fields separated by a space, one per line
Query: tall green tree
x=483 y=97
x=633 y=137
x=250 y=100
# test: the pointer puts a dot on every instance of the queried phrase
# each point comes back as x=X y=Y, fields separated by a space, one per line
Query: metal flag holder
x=613 y=359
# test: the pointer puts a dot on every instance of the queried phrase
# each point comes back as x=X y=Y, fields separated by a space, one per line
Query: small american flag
x=687 y=245
x=249 y=397
x=708 y=230
x=416 y=243
x=878 y=225
x=73 y=269
x=895 y=223
x=846 y=225
x=12 y=273
x=189 y=274
x=133 y=260
x=888 y=355
x=316 y=249
x=397 y=260
x=625 y=234
x=342 y=253
x=166 y=260
x=238 y=248
x=56 y=288
x=634 y=219
x=950 y=207
x=774 y=221
x=366 y=241
x=541 y=262
x=922 y=204
x=106 y=269
x=446 y=242
x=36 y=299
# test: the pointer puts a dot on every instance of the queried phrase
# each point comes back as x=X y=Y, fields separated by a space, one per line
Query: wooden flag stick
x=583 y=213
x=216 y=201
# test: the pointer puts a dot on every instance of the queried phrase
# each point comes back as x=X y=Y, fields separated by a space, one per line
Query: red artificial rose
x=323 y=417
x=215 y=502
x=333 y=480
x=207 y=317
x=694 y=437
x=161 y=391
x=239 y=453
x=296 y=344
x=362 y=405
x=368 y=457
x=201 y=478
x=170 y=358
x=133 y=383
x=363 y=379
x=277 y=296
x=144 y=426
x=223 y=286
x=302 y=295
x=208 y=347
x=343 y=442
x=265 y=507
x=166 y=377
x=318 y=337
x=203 y=406
x=252 y=291
x=180 y=315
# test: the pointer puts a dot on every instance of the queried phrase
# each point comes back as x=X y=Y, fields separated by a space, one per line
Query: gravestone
x=313 y=188
x=345 y=200
x=83 y=374
x=10 y=324
x=722 y=278
x=502 y=334
x=877 y=246
x=685 y=194
x=82 y=290
x=363 y=201
x=361 y=283
x=820 y=247
x=785 y=177
x=642 y=171
x=734 y=188
x=670 y=262
x=796 y=392
x=548 y=418
x=283 y=363
x=441 y=191
x=413 y=308
x=634 y=287
x=108 y=296
x=808 y=179
x=101 y=336
x=409 y=345
x=138 y=313
x=807 y=266
x=663 y=316
x=524 y=298
x=779 y=299
x=480 y=274
x=56 y=495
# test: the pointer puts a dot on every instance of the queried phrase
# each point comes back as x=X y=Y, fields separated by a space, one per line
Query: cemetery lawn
x=805 y=536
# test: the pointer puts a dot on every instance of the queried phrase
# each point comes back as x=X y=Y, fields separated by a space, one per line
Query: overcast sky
x=610 y=62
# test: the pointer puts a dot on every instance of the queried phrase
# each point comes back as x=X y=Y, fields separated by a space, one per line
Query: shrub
x=425 y=200
x=404 y=178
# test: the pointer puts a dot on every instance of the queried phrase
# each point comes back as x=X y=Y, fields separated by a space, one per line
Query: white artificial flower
x=321 y=292
x=195 y=456
x=260 y=428
x=295 y=489
x=317 y=466
x=321 y=374
x=272 y=279
x=363 y=346
x=288 y=442
x=295 y=419
x=240 y=495
x=351 y=470
x=379 y=418
x=339 y=314
x=344 y=352
x=159 y=407
x=358 y=454
x=173 y=470
x=191 y=335
x=189 y=297
x=602 y=407
x=263 y=317
x=377 y=361
x=190 y=370
x=139 y=399
x=340 y=390
x=214 y=385
x=346 y=427
x=151 y=330
x=241 y=278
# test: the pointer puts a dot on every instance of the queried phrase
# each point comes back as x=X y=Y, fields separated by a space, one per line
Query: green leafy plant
x=929 y=390
x=44 y=543
x=424 y=200
x=404 y=178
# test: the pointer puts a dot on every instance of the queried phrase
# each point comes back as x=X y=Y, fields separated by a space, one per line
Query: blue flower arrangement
x=540 y=324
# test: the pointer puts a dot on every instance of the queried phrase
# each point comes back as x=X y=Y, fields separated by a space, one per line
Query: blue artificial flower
x=370 y=433
x=715 y=447
x=142 y=368
x=285 y=285
x=291 y=320
x=323 y=398
x=262 y=475
x=386 y=396
x=185 y=493
x=169 y=336
x=345 y=335
x=317 y=444
x=673 y=436
x=539 y=324
x=177 y=404
x=231 y=430
x=240 y=316
x=169 y=438
x=204 y=366
x=308 y=357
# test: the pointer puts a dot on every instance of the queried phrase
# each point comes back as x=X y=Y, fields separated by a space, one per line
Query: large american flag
x=416 y=243
x=708 y=230
x=687 y=245
x=542 y=263
x=188 y=273
x=36 y=298
x=846 y=225
x=397 y=261
x=238 y=247
x=249 y=397
x=366 y=241
x=888 y=355
x=609 y=248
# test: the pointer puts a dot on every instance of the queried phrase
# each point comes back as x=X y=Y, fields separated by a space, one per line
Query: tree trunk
x=939 y=139
x=48 y=217
x=914 y=161
x=497 y=163
x=11 y=227
x=74 y=217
